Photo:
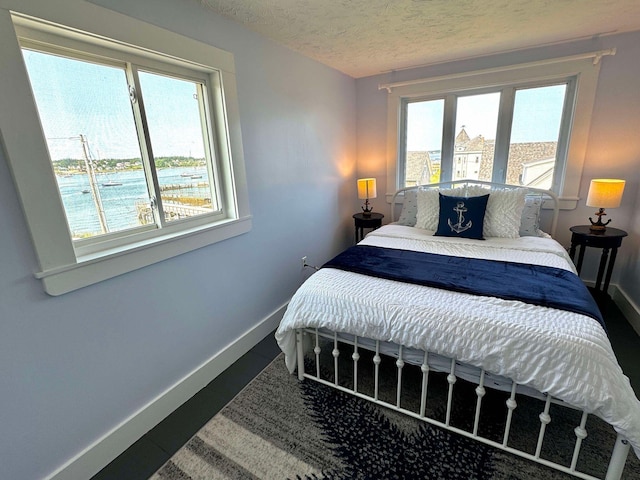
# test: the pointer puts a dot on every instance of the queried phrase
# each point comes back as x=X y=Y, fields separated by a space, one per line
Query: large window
x=522 y=124
x=528 y=155
x=134 y=150
x=130 y=148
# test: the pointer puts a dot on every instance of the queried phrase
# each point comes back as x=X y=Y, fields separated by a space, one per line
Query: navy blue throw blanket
x=534 y=284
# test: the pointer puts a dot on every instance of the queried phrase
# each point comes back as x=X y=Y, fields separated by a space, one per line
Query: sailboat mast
x=93 y=184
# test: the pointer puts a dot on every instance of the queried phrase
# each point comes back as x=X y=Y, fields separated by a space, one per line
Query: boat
x=86 y=190
x=111 y=184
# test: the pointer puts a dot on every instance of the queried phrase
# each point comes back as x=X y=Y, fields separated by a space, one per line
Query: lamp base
x=366 y=210
x=599 y=227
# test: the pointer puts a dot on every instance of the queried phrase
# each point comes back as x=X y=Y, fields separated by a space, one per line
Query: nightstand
x=372 y=222
x=609 y=240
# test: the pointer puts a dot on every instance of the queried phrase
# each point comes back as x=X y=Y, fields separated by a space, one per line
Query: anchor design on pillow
x=460 y=227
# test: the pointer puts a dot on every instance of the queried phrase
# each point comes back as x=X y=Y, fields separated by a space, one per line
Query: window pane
x=534 y=136
x=476 y=126
x=88 y=125
x=424 y=142
x=174 y=111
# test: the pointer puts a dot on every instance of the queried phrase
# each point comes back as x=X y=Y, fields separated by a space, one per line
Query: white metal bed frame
x=620 y=449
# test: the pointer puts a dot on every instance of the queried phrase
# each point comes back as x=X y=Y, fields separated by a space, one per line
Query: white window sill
x=94 y=268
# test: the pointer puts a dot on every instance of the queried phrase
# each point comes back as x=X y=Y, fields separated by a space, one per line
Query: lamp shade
x=605 y=193
x=367 y=188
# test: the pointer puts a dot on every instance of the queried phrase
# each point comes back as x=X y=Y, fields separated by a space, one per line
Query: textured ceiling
x=367 y=37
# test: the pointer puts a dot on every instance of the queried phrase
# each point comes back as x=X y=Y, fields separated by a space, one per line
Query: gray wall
x=75 y=366
x=613 y=149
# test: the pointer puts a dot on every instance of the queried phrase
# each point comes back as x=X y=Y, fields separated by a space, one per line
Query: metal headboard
x=550 y=199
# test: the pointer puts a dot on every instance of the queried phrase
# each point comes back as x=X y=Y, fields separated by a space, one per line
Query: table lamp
x=366 y=190
x=604 y=193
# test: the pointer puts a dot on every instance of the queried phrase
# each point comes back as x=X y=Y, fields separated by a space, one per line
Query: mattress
x=564 y=354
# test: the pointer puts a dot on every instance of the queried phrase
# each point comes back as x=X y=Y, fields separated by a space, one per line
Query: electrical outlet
x=304 y=261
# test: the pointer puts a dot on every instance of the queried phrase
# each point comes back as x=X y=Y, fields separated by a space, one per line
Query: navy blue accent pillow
x=462 y=216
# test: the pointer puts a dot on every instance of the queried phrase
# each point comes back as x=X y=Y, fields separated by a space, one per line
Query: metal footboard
x=311 y=342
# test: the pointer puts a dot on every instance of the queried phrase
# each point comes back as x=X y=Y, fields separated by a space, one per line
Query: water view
x=124 y=193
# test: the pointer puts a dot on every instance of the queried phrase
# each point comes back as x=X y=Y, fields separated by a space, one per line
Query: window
x=534 y=116
x=140 y=156
x=522 y=125
x=423 y=137
x=144 y=155
x=536 y=131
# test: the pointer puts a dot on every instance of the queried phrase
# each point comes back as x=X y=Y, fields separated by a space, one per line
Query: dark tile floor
x=149 y=453
x=625 y=342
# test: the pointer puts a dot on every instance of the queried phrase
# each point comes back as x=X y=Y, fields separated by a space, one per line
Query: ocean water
x=119 y=201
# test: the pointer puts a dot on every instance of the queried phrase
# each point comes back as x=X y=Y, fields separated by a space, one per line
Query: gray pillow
x=530 y=223
x=409 y=209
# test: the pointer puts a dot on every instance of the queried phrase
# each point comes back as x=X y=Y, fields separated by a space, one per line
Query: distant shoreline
x=111 y=171
x=75 y=166
x=114 y=170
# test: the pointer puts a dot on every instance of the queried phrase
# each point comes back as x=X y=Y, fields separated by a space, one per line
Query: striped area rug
x=280 y=428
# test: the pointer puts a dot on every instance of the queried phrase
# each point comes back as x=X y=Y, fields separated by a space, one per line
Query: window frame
x=64 y=267
x=583 y=69
x=55 y=45
x=503 y=128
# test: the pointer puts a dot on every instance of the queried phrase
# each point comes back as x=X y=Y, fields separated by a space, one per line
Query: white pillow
x=504 y=213
x=503 y=216
x=429 y=203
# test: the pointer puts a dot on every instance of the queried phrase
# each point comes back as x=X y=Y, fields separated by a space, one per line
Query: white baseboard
x=629 y=309
x=99 y=454
x=96 y=456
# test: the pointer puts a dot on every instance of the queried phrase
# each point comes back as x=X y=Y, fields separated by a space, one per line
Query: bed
x=554 y=349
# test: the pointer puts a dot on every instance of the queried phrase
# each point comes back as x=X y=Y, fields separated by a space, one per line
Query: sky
x=537 y=115
x=80 y=98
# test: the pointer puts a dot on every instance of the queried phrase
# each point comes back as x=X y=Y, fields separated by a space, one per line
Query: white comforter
x=565 y=354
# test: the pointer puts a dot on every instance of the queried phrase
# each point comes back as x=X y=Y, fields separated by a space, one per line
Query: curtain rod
x=597 y=56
